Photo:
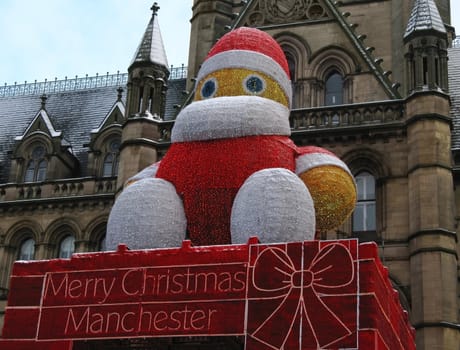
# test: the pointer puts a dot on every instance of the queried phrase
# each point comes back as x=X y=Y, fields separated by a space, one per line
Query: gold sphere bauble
x=334 y=194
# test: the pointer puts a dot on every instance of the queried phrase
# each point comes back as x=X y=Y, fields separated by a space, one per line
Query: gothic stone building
x=375 y=81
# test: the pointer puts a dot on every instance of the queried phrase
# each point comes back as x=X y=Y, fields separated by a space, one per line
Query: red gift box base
x=380 y=323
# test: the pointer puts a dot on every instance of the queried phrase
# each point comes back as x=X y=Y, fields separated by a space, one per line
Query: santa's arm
x=330 y=183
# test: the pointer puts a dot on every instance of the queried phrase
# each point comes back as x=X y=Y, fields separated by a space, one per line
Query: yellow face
x=239 y=82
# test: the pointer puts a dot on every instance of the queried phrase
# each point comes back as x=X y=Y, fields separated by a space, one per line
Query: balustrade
x=57 y=189
x=347 y=115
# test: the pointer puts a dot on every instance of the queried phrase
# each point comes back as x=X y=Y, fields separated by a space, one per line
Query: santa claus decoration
x=232 y=171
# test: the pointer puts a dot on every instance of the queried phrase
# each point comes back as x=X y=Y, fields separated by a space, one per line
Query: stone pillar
x=432 y=239
x=444 y=76
x=418 y=69
x=82 y=246
x=208 y=23
x=7 y=258
x=45 y=251
x=138 y=148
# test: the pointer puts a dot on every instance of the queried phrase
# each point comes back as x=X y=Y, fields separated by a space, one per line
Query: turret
x=432 y=237
x=426 y=48
x=148 y=73
x=145 y=103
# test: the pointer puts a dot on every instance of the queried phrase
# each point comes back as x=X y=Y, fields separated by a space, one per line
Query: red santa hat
x=252 y=49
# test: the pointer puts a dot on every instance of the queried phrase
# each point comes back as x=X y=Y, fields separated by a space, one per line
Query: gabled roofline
x=120 y=106
x=368 y=58
x=372 y=63
x=49 y=125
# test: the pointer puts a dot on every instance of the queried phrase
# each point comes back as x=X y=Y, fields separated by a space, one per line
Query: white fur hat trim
x=229 y=117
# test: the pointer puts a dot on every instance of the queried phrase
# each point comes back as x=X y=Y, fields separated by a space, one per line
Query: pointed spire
x=151 y=48
x=424 y=16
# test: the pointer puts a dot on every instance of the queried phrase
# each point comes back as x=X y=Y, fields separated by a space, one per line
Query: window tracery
x=332 y=84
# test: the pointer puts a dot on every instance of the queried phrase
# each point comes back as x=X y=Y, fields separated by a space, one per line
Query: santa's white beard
x=229 y=117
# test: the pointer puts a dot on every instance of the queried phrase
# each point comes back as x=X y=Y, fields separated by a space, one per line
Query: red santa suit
x=232 y=164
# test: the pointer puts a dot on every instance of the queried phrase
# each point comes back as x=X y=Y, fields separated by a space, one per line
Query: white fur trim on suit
x=251 y=60
x=230 y=116
x=309 y=161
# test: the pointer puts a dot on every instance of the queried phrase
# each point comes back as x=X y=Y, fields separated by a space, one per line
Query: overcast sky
x=44 y=39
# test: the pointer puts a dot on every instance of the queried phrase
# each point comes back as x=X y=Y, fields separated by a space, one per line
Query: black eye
x=254 y=84
x=209 y=88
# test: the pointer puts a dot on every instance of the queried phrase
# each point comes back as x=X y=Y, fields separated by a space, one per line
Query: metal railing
x=177 y=72
x=66 y=84
x=456 y=43
x=77 y=83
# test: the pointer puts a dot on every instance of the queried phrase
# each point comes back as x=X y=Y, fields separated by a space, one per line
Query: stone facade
x=393 y=120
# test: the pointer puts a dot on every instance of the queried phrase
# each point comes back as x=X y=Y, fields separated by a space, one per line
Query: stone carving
x=282 y=11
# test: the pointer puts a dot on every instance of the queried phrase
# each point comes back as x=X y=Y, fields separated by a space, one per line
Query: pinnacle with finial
x=43 y=98
x=120 y=93
x=155 y=8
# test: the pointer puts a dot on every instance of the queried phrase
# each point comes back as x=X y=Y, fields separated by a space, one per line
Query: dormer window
x=110 y=167
x=37 y=165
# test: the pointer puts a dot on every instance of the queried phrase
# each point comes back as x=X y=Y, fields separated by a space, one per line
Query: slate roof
x=424 y=16
x=454 y=90
x=74 y=113
x=175 y=97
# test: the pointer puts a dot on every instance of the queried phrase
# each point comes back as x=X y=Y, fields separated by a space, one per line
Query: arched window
x=364 y=215
x=67 y=247
x=334 y=89
x=102 y=247
x=108 y=164
x=27 y=250
x=111 y=159
x=291 y=65
x=37 y=165
x=292 y=73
